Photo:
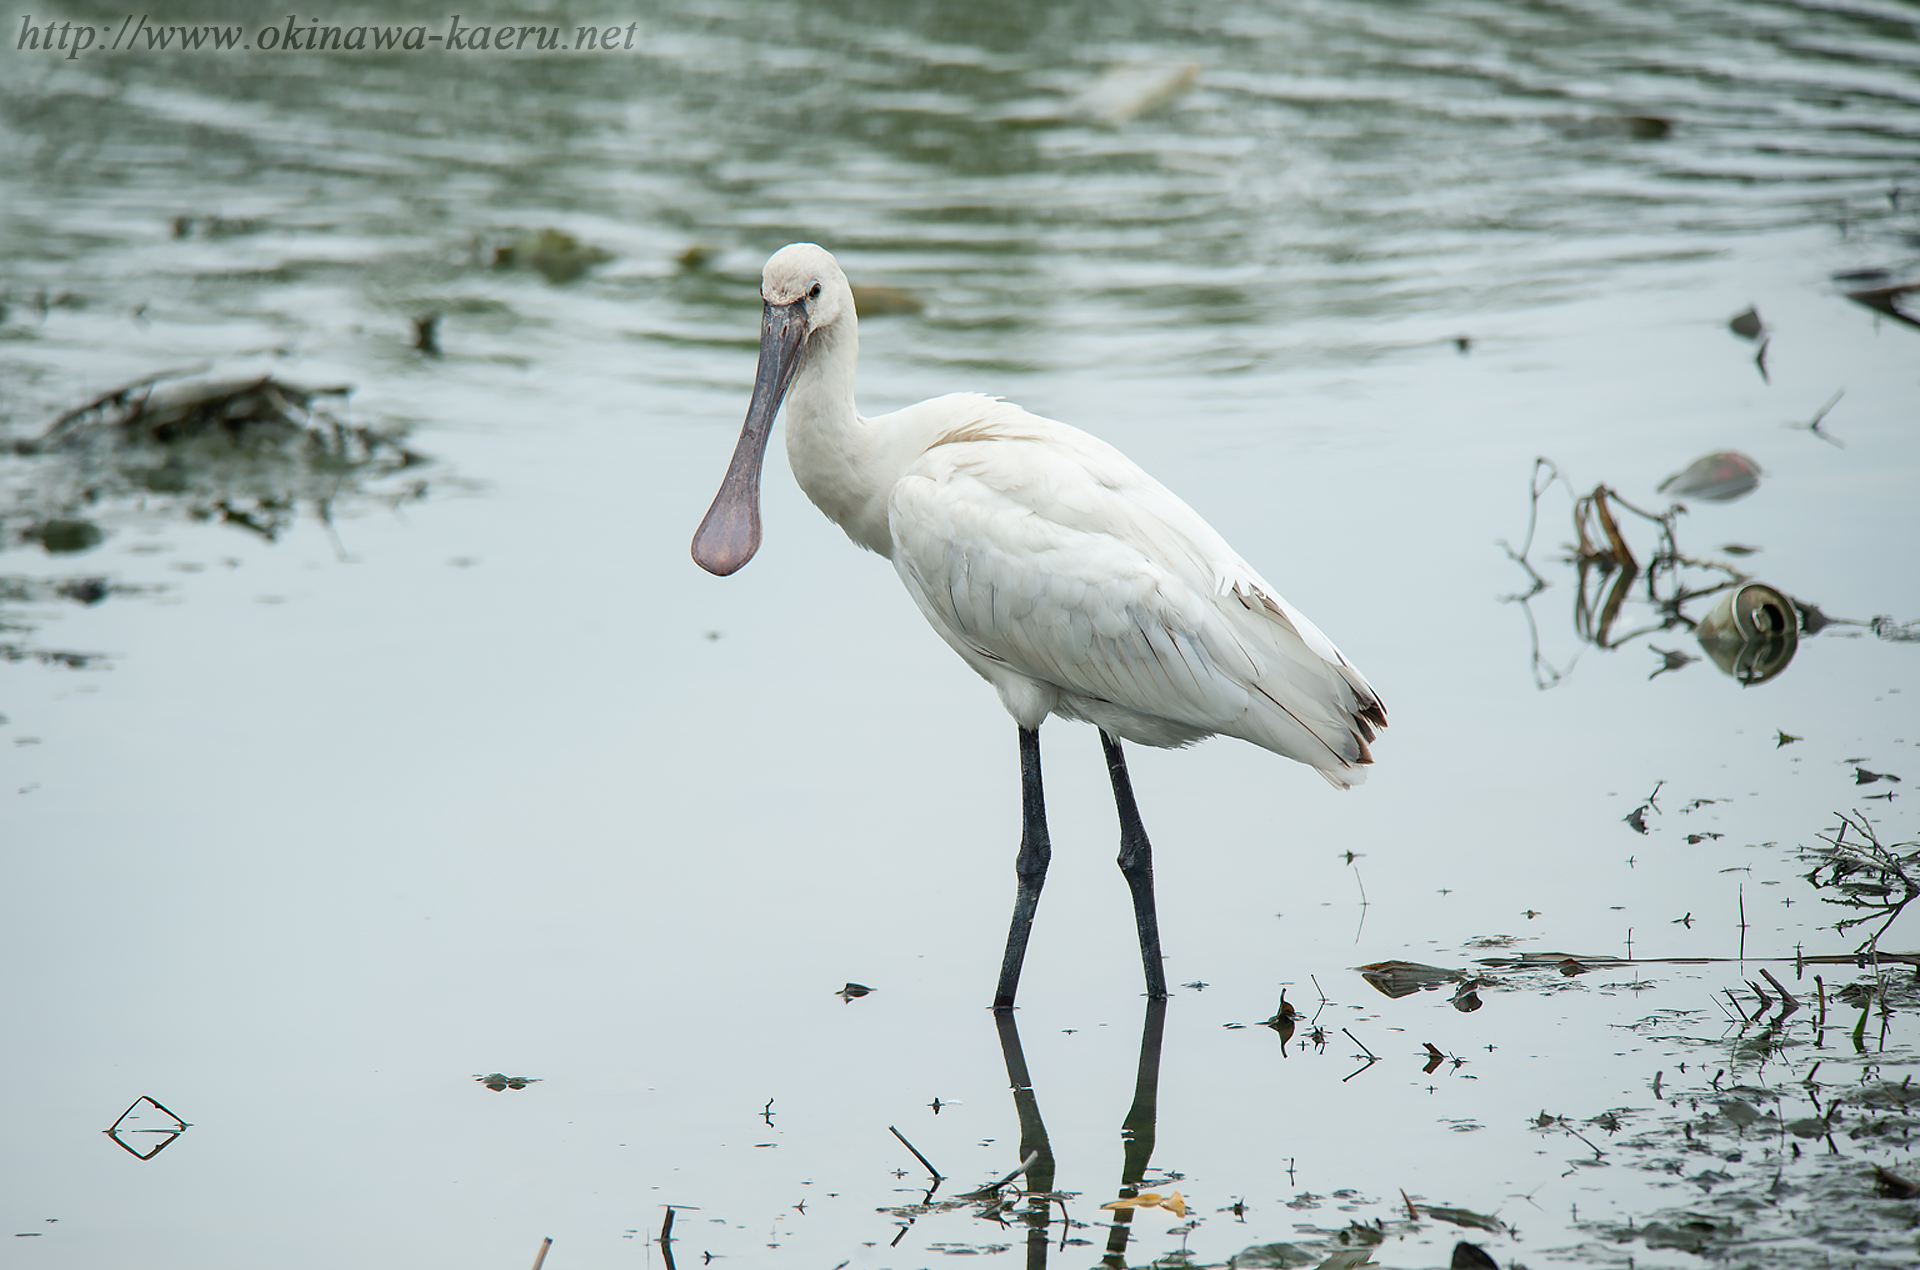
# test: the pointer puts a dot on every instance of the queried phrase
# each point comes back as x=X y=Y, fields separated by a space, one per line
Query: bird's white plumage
x=1065 y=575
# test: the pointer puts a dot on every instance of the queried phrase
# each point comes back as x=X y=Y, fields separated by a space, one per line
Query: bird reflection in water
x=1036 y=1151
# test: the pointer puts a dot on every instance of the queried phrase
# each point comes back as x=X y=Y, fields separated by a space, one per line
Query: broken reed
x=1854 y=869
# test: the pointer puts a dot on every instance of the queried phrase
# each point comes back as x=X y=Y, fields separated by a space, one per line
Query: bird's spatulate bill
x=730 y=534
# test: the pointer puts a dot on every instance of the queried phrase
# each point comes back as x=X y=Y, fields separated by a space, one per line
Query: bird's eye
x=815 y=293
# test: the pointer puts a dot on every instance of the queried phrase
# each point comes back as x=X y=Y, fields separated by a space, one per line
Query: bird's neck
x=838 y=457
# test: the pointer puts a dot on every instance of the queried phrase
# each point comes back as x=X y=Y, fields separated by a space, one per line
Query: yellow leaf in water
x=1173 y=1203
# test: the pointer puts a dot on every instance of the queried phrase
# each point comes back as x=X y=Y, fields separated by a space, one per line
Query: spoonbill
x=1072 y=581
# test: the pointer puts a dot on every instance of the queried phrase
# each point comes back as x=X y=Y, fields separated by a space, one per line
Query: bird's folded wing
x=1044 y=549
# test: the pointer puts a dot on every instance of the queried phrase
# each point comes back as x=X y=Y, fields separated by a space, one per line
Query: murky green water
x=389 y=740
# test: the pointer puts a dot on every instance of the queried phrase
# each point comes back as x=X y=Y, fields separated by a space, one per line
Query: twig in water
x=1364 y=1066
x=1789 y=1004
x=542 y=1254
x=1362 y=1044
x=983 y=1192
x=924 y=1162
x=1819 y=418
x=1743 y=923
x=1362 y=925
x=1598 y=1154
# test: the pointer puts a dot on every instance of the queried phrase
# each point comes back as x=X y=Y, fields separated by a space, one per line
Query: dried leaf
x=1719 y=477
x=1348 y=1259
x=1173 y=1203
x=1465 y=1217
x=1468 y=1256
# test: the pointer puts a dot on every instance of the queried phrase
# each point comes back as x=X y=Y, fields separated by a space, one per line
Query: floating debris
x=1174 y=1203
x=1890 y=1185
x=1280 y=1256
x=242 y=451
x=1719 y=477
x=1637 y=127
x=498 y=1082
x=88 y=591
x=1884 y=300
x=852 y=991
x=1752 y=640
x=1464 y=1217
x=1747 y=325
x=1899 y=632
x=1752 y=633
x=212 y=226
x=1692 y=1233
x=1820 y=417
x=1127 y=92
x=1398 y=979
x=139 y=1124
x=251 y=453
x=1670 y=659
x=1637 y=818
x=871 y=300
x=62 y=536
x=170 y=410
x=1283 y=1022
x=554 y=254
x=426 y=334
x=1122 y=94
x=1348 y=1259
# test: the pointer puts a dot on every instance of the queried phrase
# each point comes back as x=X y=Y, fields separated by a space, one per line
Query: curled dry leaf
x=1173 y=1203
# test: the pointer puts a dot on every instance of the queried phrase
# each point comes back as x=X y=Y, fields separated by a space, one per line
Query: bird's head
x=804 y=294
x=807 y=276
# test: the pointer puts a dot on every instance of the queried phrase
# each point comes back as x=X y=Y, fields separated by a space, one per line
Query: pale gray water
x=461 y=784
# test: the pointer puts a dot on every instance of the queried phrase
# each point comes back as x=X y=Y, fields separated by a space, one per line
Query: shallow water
x=313 y=818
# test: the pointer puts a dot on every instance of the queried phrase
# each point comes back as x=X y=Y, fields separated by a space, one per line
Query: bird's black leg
x=1136 y=865
x=1030 y=868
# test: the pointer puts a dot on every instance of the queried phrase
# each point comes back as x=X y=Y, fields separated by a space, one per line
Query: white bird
x=1072 y=581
